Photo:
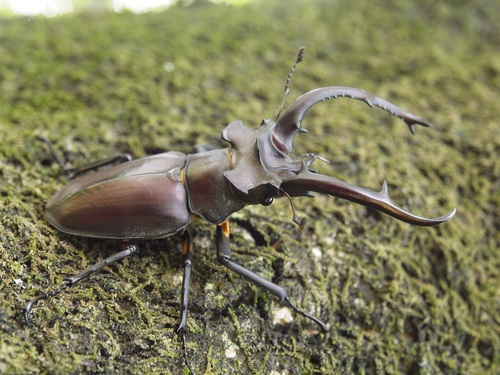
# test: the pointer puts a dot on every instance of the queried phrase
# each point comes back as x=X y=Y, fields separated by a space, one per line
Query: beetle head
x=261 y=169
x=258 y=167
x=260 y=155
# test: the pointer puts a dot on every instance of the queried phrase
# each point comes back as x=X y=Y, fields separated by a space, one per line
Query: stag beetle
x=157 y=196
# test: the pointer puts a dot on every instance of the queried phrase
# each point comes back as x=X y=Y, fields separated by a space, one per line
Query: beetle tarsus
x=47 y=295
x=64 y=166
x=224 y=256
x=322 y=325
x=185 y=354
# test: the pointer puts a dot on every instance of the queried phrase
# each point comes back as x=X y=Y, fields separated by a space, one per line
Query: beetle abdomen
x=143 y=198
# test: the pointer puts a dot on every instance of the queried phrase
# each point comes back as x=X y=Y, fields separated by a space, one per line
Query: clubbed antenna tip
x=298 y=59
x=300 y=55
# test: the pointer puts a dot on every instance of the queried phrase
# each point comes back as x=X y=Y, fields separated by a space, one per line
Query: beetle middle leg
x=129 y=250
x=224 y=255
x=187 y=256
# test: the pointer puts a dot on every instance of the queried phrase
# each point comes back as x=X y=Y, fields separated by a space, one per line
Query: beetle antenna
x=296 y=219
x=298 y=59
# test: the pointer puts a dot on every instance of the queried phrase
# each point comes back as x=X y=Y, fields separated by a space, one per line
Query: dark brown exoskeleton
x=158 y=196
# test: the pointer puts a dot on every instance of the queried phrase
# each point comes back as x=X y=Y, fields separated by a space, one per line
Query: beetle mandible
x=157 y=196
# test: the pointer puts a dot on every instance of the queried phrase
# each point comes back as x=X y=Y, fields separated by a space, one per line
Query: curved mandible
x=306 y=182
x=289 y=124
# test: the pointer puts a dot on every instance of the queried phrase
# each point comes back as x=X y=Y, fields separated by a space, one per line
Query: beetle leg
x=224 y=255
x=117 y=159
x=73 y=171
x=187 y=255
x=129 y=250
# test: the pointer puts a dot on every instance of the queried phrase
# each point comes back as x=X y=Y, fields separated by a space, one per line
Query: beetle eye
x=265 y=201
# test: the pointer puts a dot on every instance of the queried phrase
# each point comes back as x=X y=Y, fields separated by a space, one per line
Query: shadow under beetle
x=158 y=196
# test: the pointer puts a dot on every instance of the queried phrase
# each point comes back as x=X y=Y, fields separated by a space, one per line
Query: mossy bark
x=398 y=298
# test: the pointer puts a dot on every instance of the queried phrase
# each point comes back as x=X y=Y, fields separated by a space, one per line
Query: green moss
x=397 y=298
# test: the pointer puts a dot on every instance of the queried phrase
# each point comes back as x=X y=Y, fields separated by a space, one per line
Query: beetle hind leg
x=117 y=159
x=224 y=256
x=129 y=250
x=71 y=171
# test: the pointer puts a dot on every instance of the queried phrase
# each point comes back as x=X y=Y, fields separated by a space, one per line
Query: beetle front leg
x=224 y=256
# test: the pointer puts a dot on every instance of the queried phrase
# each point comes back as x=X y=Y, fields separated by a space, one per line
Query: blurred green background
x=398 y=298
